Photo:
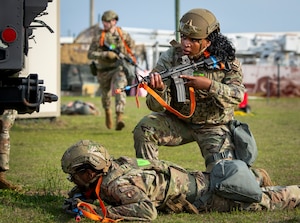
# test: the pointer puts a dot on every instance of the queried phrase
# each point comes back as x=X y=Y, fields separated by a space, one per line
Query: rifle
x=187 y=68
x=78 y=213
x=114 y=49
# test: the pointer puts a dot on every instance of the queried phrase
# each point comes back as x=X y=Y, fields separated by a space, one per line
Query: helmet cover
x=109 y=15
x=85 y=152
x=198 y=23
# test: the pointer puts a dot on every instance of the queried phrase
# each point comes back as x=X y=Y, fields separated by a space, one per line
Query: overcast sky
x=235 y=16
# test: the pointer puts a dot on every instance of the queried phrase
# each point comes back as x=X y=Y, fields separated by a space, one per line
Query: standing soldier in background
x=6 y=122
x=110 y=68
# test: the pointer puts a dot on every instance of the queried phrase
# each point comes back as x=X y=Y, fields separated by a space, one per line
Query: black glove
x=70 y=204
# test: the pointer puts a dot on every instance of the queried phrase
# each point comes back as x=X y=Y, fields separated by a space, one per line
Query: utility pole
x=278 y=57
x=278 y=78
x=177 y=12
x=91 y=12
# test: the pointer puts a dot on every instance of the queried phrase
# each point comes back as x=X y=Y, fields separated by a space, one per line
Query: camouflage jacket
x=215 y=106
x=134 y=189
x=96 y=52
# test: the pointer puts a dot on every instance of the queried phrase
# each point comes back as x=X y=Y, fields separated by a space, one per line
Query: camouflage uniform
x=110 y=70
x=7 y=120
x=136 y=189
x=207 y=126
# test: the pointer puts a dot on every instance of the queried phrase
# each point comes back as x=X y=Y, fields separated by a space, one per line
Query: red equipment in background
x=243 y=106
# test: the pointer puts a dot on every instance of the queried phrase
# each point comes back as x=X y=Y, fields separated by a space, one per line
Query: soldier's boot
x=263 y=176
x=5 y=184
x=119 y=122
x=108 y=118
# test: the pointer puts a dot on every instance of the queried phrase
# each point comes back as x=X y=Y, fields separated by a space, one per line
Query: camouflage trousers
x=112 y=79
x=274 y=198
x=164 y=129
x=6 y=122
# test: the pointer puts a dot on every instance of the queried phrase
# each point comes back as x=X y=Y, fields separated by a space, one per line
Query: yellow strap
x=91 y=213
x=168 y=107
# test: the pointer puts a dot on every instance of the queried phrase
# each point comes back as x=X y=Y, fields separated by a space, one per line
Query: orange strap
x=128 y=50
x=126 y=46
x=91 y=213
x=101 y=40
x=137 y=97
x=168 y=107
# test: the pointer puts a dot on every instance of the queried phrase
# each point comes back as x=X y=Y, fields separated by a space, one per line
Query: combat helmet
x=109 y=15
x=198 y=23
x=83 y=153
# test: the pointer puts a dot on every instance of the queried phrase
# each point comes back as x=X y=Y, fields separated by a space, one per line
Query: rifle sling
x=168 y=107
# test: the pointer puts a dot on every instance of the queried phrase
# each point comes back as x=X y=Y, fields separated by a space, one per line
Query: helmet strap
x=200 y=53
x=95 y=178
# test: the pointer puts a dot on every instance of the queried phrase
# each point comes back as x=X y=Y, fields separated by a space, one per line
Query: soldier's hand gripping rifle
x=186 y=68
x=122 y=56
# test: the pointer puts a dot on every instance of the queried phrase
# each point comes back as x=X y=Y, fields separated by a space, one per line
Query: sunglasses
x=71 y=177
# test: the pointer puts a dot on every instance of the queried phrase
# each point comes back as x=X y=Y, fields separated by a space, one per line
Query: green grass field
x=38 y=144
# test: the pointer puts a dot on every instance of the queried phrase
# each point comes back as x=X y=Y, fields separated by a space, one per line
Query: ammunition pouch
x=178 y=204
x=179 y=197
x=93 y=68
x=129 y=71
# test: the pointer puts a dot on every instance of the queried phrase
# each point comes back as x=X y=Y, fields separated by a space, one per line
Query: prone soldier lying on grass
x=137 y=189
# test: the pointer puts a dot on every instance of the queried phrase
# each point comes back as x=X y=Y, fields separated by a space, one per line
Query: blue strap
x=214 y=60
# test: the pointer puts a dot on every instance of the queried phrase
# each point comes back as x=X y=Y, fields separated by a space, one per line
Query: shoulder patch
x=235 y=65
x=128 y=193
